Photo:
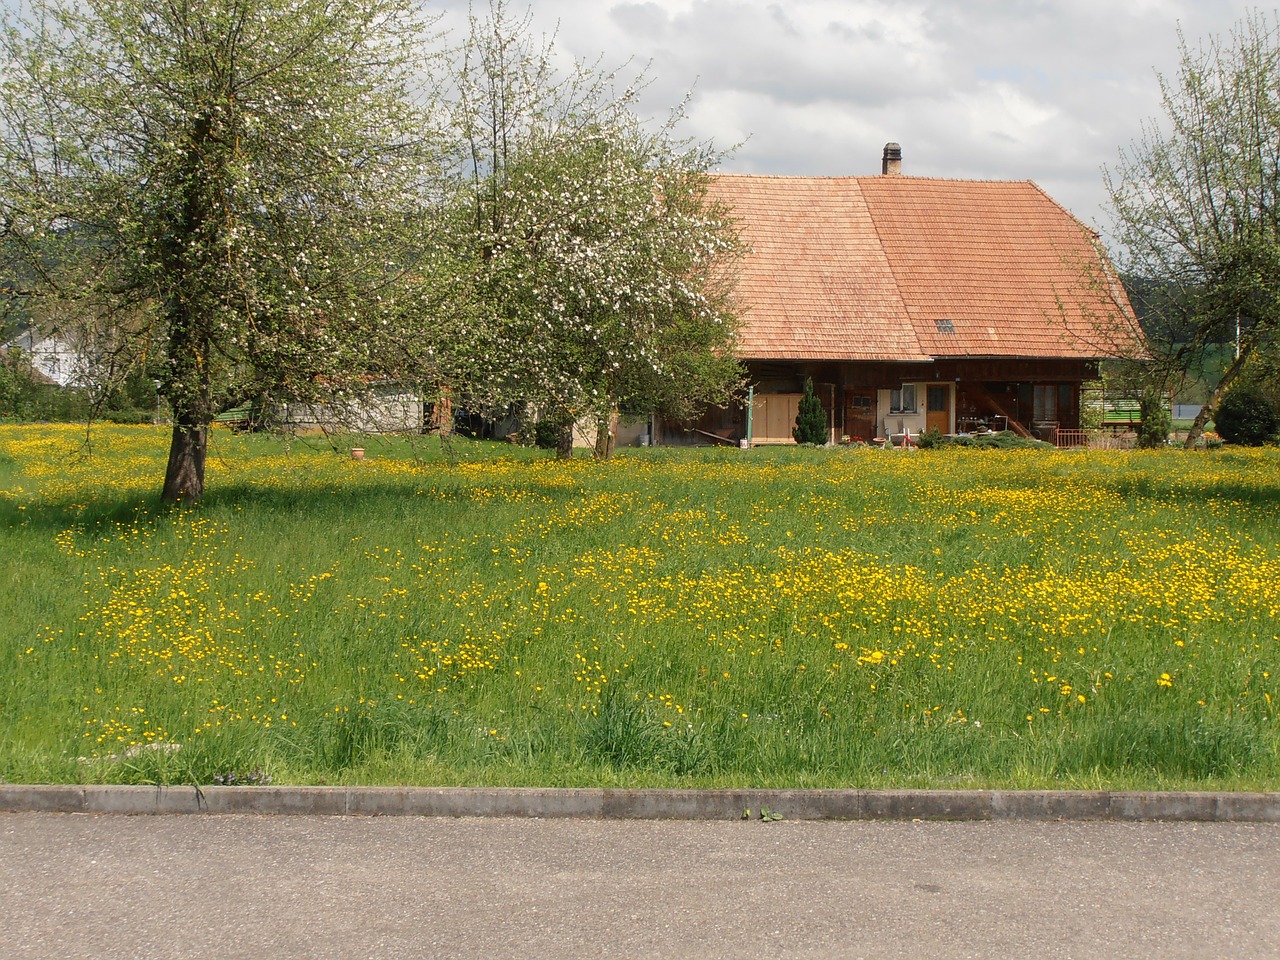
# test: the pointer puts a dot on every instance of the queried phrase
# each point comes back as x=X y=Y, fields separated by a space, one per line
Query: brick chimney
x=892 y=164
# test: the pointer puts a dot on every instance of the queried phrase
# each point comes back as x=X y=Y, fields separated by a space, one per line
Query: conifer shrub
x=811 y=419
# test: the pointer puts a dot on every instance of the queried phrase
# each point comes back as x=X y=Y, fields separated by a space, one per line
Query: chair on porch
x=886 y=431
x=896 y=432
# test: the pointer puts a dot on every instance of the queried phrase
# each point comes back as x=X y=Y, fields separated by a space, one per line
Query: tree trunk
x=184 y=477
x=1210 y=409
x=606 y=433
x=191 y=393
x=189 y=383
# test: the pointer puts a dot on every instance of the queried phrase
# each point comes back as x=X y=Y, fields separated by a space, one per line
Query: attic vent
x=945 y=326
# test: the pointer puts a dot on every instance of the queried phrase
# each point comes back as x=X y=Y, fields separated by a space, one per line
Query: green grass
x=776 y=617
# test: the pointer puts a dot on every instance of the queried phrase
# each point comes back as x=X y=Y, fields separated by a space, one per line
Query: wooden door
x=859 y=420
x=938 y=407
x=774 y=417
x=783 y=409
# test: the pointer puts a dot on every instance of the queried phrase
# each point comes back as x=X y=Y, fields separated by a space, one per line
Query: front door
x=938 y=407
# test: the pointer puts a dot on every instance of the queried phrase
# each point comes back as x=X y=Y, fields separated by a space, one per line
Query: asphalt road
x=226 y=887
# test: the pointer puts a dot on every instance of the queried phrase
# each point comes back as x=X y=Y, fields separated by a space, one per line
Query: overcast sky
x=987 y=89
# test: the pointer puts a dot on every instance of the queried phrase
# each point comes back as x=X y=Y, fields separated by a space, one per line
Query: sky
x=975 y=89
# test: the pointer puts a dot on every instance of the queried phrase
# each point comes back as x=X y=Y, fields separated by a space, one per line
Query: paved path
x=226 y=887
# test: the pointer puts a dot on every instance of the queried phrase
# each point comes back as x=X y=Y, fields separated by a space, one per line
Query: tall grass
x=774 y=617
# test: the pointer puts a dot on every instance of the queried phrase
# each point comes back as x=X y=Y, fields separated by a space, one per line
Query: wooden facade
x=865 y=401
x=868 y=401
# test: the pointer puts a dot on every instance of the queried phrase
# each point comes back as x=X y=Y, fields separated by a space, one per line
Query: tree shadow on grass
x=446 y=495
x=1164 y=490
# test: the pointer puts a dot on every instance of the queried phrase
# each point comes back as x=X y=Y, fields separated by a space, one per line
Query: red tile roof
x=886 y=268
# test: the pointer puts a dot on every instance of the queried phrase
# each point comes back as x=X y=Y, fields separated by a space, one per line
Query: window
x=945 y=326
x=903 y=399
x=936 y=399
x=1045 y=403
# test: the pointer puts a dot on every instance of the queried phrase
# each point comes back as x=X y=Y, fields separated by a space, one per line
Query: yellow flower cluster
x=934 y=588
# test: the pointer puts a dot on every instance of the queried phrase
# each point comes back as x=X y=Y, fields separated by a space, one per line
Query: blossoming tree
x=602 y=268
x=240 y=186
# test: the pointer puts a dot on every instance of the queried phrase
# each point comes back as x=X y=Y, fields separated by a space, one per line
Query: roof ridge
x=877 y=177
x=1095 y=234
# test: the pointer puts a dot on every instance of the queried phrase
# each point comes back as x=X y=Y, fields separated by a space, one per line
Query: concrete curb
x=645 y=804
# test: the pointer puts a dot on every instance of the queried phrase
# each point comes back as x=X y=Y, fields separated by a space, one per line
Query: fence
x=1094 y=440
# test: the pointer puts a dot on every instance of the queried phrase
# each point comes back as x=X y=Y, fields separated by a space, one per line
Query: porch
x=869 y=401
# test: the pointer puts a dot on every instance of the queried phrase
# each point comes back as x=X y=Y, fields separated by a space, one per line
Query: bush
x=1001 y=440
x=17 y=385
x=1246 y=417
x=546 y=434
x=1092 y=405
x=1156 y=419
x=45 y=402
x=133 y=400
x=129 y=415
x=930 y=439
x=811 y=419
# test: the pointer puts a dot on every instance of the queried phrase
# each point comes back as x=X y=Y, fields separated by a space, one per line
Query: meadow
x=483 y=614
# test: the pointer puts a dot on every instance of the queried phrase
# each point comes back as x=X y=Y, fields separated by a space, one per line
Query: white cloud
x=992 y=89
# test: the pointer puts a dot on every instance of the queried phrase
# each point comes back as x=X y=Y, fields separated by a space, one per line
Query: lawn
x=483 y=614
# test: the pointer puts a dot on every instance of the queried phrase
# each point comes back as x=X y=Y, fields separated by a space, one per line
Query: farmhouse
x=916 y=303
x=53 y=359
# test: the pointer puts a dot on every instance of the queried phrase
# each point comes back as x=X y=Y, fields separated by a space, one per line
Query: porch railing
x=1067 y=439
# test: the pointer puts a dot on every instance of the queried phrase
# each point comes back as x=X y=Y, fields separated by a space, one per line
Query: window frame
x=898 y=399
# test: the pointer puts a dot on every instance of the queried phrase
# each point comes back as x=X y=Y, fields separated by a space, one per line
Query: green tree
x=811 y=419
x=238 y=188
x=598 y=263
x=1263 y=374
x=1196 y=204
x=1247 y=416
